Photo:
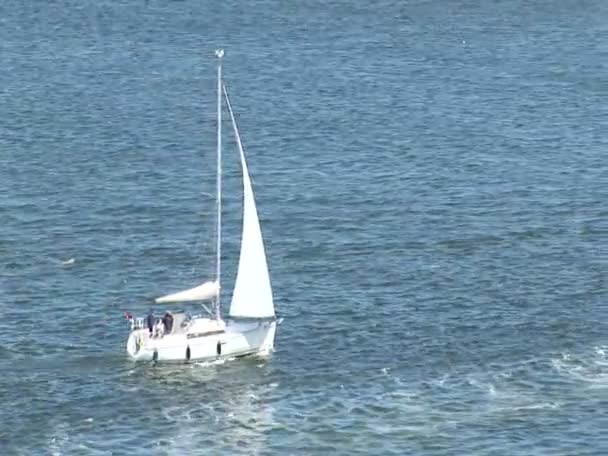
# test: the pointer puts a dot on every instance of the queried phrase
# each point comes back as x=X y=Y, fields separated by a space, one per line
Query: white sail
x=206 y=291
x=252 y=295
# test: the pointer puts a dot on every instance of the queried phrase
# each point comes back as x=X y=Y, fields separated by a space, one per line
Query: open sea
x=432 y=182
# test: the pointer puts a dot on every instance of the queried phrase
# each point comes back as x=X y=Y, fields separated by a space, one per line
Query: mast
x=219 y=54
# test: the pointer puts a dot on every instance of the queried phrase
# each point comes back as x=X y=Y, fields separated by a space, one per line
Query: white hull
x=238 y=340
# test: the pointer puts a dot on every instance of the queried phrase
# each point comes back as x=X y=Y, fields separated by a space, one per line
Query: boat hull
x=238 y=340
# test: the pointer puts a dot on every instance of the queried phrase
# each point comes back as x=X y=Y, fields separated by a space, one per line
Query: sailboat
x=251 y=327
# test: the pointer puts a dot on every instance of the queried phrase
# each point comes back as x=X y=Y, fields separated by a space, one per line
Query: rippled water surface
x=432 y=182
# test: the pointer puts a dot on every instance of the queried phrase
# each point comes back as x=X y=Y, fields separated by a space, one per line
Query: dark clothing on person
x=150 y=322
x=168 y=322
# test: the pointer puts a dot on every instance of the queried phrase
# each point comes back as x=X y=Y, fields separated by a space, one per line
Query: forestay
x=252 y=295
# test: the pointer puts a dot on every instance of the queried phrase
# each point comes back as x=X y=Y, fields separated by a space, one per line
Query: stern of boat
x=136 y=341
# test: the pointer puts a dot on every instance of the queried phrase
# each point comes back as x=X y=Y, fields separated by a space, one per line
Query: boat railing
x=138 y=323
x=181 y=321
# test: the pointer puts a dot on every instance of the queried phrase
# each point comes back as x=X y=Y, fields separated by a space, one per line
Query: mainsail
x=206 y=291
x=252 y=295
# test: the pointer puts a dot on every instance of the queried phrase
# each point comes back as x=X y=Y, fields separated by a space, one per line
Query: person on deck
x=159 y=329
x=168 y=322
x=150 y=321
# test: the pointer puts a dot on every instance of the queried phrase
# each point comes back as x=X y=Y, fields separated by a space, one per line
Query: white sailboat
x=251 y=326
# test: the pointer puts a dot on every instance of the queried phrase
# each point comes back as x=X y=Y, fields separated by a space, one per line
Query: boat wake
x=216 y=362
x=477 y=394
x=591 y=369
x=237 y=421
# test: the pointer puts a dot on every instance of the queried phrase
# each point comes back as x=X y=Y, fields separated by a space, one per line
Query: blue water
x=432 y=182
